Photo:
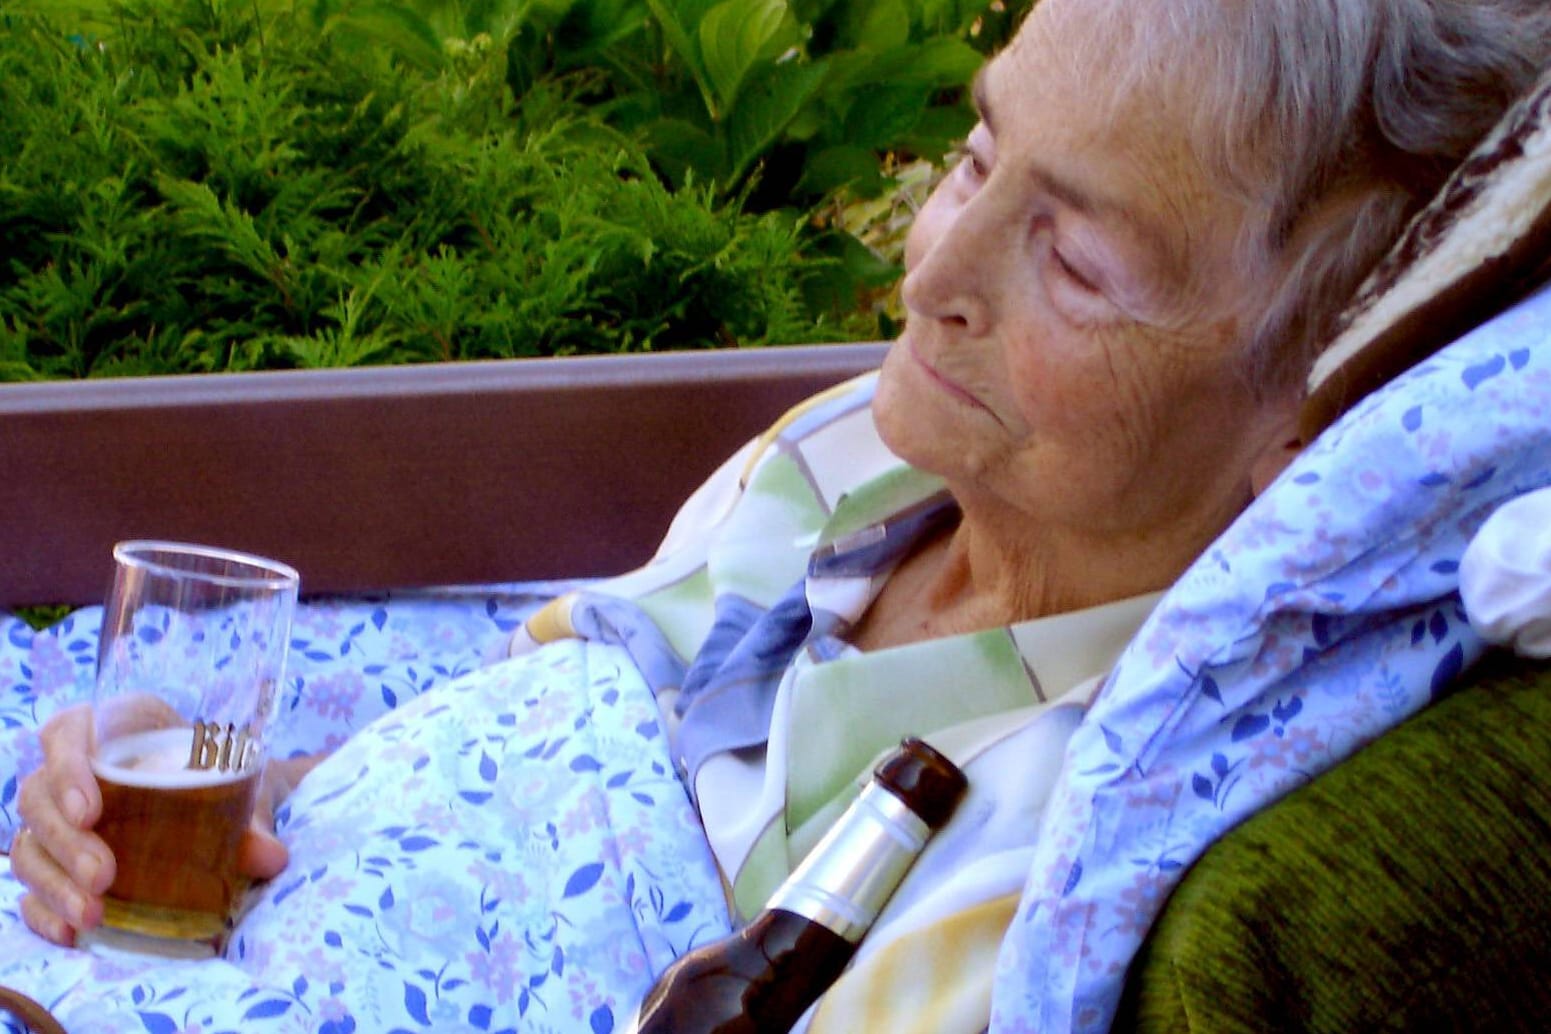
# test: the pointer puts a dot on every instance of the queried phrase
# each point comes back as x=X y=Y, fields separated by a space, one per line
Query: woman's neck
x=991 y=569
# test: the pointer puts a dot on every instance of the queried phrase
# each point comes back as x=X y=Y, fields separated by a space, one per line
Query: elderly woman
x=1112 y=299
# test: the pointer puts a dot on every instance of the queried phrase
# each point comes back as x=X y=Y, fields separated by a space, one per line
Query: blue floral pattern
x=352 y=659
x=513 y=852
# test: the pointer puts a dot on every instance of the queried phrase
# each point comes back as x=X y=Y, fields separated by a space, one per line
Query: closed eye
x=969 y=163
x=1072 y=273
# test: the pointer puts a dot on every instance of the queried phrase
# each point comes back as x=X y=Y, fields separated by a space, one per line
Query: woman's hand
x=67 y=868
x=261 y=855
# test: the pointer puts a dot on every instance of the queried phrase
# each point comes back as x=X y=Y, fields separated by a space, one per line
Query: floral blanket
x=512 y=853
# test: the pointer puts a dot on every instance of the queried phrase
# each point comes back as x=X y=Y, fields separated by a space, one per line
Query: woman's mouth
x=947 y=384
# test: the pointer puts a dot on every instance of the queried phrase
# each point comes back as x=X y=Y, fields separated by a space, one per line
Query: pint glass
x=191 y=661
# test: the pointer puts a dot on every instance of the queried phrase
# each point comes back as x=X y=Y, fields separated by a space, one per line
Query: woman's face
x=1074 y=311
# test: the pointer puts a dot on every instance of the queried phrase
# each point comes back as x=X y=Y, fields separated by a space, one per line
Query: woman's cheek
x=1059 y=378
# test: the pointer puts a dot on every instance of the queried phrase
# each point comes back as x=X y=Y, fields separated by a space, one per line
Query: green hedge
x=191 y=185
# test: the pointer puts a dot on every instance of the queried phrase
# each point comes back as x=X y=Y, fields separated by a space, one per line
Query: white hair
x=1334 y=119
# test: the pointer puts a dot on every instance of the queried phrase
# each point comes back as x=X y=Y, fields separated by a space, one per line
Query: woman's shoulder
x=847 y=405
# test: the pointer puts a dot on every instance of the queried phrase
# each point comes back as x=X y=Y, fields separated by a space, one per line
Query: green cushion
x=1408 y=888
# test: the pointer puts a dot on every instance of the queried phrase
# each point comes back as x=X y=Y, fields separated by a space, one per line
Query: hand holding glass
x=189 y=669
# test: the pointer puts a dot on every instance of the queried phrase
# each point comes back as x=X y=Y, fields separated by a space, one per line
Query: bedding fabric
x=776 y=719
x=511 y=853
x=352 y=659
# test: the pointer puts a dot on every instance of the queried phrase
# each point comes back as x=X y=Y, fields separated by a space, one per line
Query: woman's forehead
x=1119 y=50
x=1074 y=118
x=1175 y=68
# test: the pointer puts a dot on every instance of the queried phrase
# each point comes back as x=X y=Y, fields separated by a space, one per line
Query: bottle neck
x=850 y=875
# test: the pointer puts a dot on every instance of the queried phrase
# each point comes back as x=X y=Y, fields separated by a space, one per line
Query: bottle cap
x=928 y=783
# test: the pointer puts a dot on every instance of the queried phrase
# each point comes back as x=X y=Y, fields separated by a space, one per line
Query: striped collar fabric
x=728 y=691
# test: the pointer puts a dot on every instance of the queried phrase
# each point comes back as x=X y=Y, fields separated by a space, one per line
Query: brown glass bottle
x=761 y=979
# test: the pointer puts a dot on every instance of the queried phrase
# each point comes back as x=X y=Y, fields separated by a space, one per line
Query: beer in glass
x=189 y=670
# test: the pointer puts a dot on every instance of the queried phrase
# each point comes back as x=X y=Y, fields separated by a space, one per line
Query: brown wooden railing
x=380 y=477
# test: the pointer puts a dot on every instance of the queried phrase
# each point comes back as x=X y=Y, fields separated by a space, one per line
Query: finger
x=45 y=922
x=51 y=889
x=136 y=712
x=78 y=853
x=67 y=767
x=61 y=802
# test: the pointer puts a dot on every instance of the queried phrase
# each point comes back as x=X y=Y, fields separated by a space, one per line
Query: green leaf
x=881 y=114
x=589 y=28
x=848 y=71
x=810 y=12
x=400 y=29
x=852 y=270
x=843 y=165
x=684 y=152
x=884 y=25
x=938 y=130
x=944 y=17
x=678 y=39
x=769 y=102
x=737 y=33
x=323 y=10
x=938 y=62
x=202 y=215
x=498 y=19
x=232 y=184
x=15 y=370
x=692 y=12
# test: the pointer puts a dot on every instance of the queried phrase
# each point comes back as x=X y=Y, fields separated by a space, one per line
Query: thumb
x=261 y=855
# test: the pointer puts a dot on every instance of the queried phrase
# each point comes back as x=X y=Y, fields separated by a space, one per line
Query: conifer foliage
x=217 y=185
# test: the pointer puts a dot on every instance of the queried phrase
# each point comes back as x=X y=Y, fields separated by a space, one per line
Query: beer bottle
x=762 y=978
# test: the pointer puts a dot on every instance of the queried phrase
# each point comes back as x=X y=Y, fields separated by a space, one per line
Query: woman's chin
x=924 y=420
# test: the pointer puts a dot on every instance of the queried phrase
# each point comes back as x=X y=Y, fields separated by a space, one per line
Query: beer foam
x=158 y=760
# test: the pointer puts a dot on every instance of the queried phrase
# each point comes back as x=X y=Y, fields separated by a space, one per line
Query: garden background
x=222 y=185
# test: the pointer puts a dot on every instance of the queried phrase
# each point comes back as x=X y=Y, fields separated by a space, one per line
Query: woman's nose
x=953 y=276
